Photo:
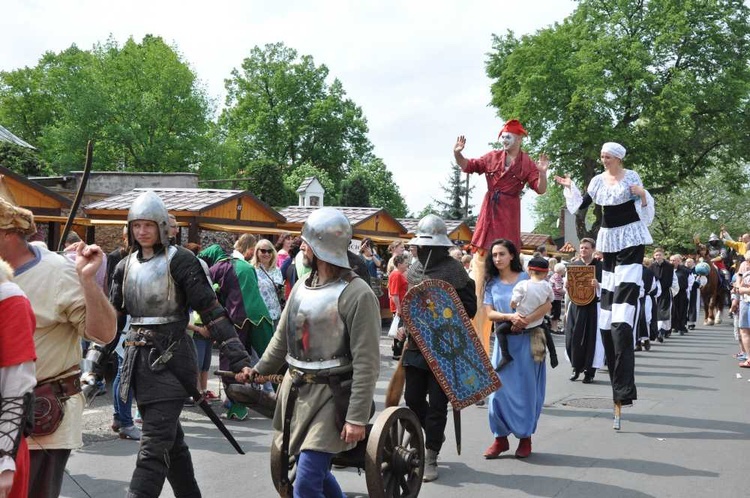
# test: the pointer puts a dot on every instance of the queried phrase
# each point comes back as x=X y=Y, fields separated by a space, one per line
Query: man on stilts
x=507 y=171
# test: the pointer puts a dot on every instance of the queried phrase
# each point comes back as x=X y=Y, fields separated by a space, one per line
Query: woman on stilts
x=628 y=209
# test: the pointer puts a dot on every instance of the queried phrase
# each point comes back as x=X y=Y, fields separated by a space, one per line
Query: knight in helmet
x=156 y=284
x=329 y=336
x=423 y=394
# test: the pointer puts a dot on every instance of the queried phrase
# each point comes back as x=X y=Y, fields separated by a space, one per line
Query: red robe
x=17 y=325
x=500 y=215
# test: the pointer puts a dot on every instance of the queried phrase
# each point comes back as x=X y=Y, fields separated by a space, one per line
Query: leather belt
x=66 y=387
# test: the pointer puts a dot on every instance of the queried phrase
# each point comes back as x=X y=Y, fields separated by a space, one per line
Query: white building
x=311 y=193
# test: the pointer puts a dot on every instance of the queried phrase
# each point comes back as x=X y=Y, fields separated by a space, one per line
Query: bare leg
x=618 y=411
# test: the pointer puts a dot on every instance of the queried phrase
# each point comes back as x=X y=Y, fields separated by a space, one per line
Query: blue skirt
x=515 y=407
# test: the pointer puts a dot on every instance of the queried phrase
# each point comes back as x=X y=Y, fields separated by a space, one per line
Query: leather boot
x=430 y=466
x=524 y=447
x=498 y=446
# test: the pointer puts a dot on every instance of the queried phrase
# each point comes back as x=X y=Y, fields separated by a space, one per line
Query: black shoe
x=692 y=327
x=682 y=332
x=660 y=338
x=575 y=375
x=638 y=347
x=587 y=379
x=647 y=345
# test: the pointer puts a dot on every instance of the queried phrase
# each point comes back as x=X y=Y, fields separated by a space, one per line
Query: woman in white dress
x=269 y=277
x=628 y=209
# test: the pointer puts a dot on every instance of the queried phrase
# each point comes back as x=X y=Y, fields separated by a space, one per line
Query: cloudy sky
x=415 y=67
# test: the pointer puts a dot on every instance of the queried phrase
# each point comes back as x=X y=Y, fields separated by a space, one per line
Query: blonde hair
x=264 y=242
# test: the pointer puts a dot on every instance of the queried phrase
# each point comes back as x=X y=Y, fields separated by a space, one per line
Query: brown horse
x=712 y=295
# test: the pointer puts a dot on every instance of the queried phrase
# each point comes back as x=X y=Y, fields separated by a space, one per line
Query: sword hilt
x=258 y=379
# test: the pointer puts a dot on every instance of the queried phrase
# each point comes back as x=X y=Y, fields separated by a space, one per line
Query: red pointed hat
x=513 y=126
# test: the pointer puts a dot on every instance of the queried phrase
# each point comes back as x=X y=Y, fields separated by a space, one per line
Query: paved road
x=685 y=437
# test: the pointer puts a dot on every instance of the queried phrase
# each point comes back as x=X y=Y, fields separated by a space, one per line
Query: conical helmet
x=328 y=233
x=431 y=231
x=149 y=206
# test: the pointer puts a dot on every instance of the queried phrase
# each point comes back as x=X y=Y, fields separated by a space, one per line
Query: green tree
x=428 y=209
x=22 y=160
x=457 y=192
x=380 y=184
x=280 y=107
x=355 y=191
x=293 y=180
x=141 y=104
x=264 y=183
x=668 y=79
x=546 y=212
x=701 y=207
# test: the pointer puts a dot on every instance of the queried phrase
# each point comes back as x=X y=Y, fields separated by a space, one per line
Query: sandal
x=745 y=364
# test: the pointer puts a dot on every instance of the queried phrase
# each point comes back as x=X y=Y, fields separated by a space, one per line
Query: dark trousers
x=680 y=311
x=163 y=454
x=46 y=472
x=424 y=396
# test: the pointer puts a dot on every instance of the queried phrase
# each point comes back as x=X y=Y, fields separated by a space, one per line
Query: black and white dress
x=622 y=239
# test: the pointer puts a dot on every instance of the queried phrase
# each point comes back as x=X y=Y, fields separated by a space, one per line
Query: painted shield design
x=579 y=287
x=436 y=320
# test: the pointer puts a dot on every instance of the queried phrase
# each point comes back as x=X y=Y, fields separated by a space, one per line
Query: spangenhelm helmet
x=431 y=231
x=328 y=233
x=149 y=206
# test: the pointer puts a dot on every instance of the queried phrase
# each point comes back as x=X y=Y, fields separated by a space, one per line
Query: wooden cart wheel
x=394 y=461
x=276 y=465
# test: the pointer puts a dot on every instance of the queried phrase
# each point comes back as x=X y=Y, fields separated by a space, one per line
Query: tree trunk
x=589 y=171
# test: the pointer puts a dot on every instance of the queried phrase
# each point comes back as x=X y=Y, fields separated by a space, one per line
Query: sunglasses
x=265 y=251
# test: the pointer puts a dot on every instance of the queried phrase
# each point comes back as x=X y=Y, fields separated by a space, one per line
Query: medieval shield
x=579 y=287
x=437 y=322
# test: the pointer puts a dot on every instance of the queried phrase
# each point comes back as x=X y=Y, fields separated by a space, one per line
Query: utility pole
x=466 y=198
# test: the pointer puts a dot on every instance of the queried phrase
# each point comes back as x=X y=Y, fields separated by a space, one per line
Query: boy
x=527 y=296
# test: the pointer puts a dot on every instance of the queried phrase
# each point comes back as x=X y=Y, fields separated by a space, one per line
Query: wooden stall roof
x=534 y=240
x=210 y=205
x=372 y=222
x=457 y=229
x=32 y=196
x=7 y=136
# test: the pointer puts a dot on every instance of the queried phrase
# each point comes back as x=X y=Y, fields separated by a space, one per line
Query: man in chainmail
x=423 y=393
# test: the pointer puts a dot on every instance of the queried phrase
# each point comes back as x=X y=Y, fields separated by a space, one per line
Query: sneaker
x=237 y=412
x=741 y=357
x=131 y=432
x=210 y=396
